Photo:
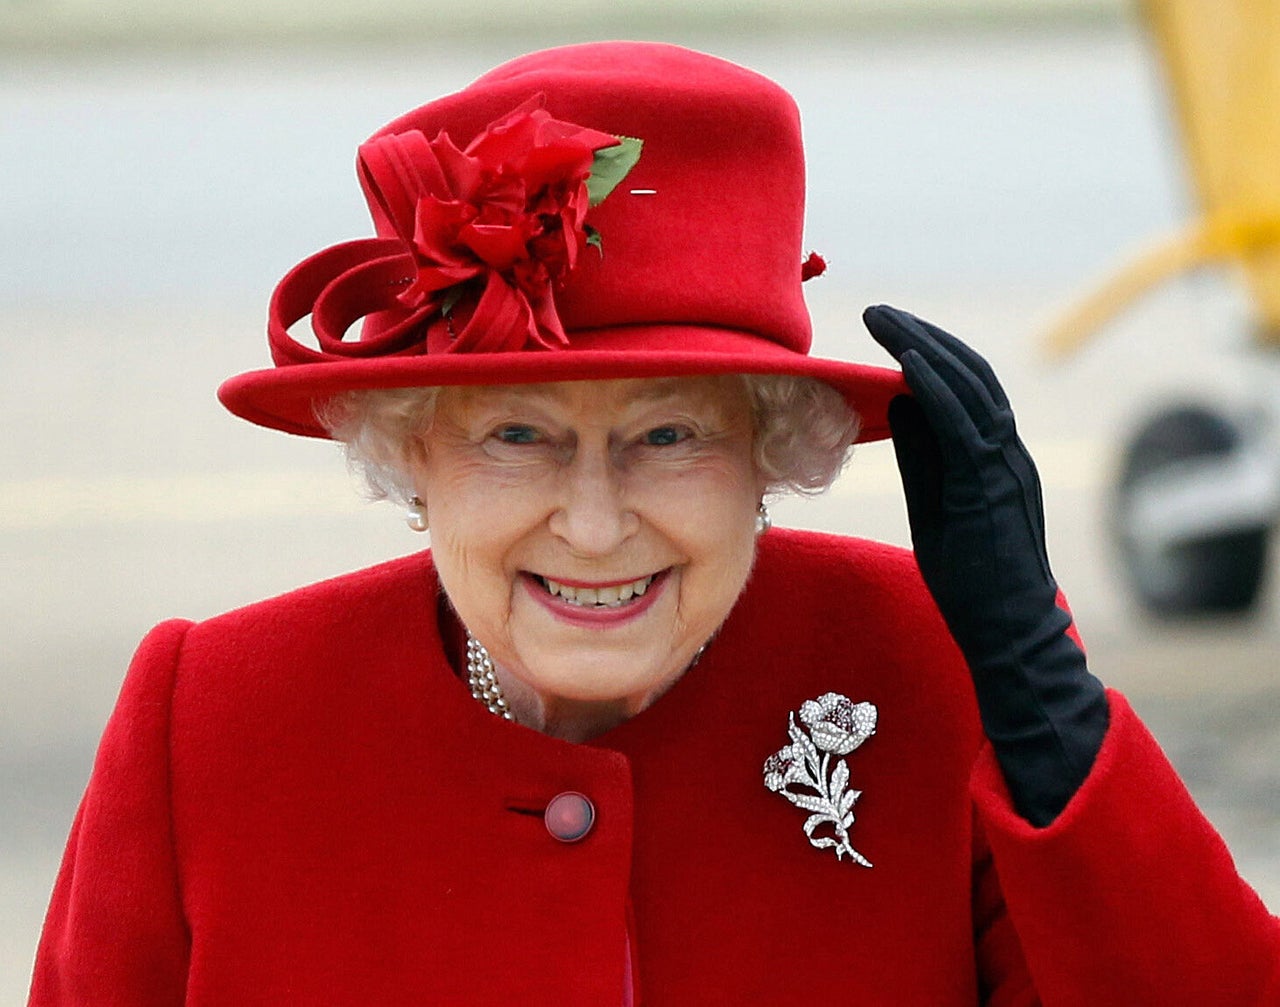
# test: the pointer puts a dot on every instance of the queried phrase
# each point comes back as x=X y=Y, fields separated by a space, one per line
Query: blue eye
x=517 y=433
x=664 y=436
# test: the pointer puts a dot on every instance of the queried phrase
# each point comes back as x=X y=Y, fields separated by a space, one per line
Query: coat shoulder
x=314 y=637
x=825 y=570
x=338 y=604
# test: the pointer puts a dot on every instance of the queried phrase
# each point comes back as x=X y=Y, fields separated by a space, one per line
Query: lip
x=596 y=617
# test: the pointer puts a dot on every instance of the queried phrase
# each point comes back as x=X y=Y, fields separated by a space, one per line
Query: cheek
x=730 y=522
x=481 y=529
x=466 y=538
x=713 y=517
x=724 y=495
x=474 y=574
x=735 y=555
x=471 y=536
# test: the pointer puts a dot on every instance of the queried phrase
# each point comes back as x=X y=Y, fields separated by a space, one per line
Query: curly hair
x=804 y=431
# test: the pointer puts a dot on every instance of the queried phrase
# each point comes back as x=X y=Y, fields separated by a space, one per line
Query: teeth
x=609 y=597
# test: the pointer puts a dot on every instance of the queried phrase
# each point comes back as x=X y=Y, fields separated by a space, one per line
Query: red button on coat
x=569 y=816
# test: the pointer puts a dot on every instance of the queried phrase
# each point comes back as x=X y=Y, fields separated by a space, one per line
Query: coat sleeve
x=115 y=932
x=1130 y=896
x=1003 y=979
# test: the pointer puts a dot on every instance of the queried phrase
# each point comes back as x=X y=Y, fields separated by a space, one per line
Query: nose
x=594 y=516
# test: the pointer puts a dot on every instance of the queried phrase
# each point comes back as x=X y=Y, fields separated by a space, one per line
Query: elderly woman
x=613 y=740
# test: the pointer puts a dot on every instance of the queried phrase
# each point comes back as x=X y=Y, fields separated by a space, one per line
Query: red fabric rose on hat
x=493 y=229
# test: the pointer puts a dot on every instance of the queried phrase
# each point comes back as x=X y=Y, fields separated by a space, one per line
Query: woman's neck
x=558 y=717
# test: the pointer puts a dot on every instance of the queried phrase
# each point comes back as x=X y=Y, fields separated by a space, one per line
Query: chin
x=607 y=679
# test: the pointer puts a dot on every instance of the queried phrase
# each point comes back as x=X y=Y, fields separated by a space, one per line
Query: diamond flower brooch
x=802 y=771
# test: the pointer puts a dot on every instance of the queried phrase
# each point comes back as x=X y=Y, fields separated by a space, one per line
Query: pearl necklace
x=484 y=683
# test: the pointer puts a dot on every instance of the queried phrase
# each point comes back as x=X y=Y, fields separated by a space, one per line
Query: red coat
x=299 y=803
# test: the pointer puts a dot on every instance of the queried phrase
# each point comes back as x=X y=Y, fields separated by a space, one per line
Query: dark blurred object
x=1182 y=521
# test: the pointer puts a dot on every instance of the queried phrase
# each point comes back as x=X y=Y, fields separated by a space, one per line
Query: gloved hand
x=977 y=527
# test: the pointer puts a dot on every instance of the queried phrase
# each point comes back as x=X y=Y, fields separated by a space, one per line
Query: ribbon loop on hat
x=338 y=286
x=396 y=171
x=362 y=291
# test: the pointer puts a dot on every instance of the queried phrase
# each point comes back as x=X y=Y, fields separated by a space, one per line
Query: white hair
x=803 y=433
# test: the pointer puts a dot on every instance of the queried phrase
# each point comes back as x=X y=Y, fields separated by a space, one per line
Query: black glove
x=977 y=526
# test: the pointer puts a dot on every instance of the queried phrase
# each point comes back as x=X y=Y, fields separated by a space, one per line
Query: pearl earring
x=763 y=521
x=416 y=516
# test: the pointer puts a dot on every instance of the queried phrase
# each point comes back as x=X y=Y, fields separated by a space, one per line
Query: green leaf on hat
x=610 y=166
x=594 y=239
x=451 y=298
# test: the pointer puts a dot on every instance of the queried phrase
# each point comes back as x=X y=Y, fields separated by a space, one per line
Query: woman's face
x=592 y=534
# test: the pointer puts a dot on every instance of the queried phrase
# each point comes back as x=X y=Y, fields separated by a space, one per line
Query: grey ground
x=148 y=204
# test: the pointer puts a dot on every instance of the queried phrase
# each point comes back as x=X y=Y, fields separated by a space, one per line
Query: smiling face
x=592 y=535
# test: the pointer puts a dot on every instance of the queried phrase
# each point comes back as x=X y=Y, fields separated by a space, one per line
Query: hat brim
x=285 y=398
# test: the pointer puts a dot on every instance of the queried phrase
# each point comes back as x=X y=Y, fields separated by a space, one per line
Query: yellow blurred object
x=1222 y=59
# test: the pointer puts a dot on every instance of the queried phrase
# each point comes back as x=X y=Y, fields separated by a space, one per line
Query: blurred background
x=162 y=165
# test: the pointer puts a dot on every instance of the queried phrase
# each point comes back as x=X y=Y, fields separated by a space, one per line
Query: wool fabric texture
x=299 y=802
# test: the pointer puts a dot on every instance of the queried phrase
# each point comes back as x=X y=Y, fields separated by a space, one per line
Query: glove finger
x=960 y=442
x=1001 y=476
x=886 y=328
x=966 y=356
x=921 y=467
x=975 y=380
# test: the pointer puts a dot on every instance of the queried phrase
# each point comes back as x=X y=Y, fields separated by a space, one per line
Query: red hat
x=609 y=210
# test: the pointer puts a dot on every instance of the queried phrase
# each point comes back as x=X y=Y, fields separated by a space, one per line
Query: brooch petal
x=807 y=775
